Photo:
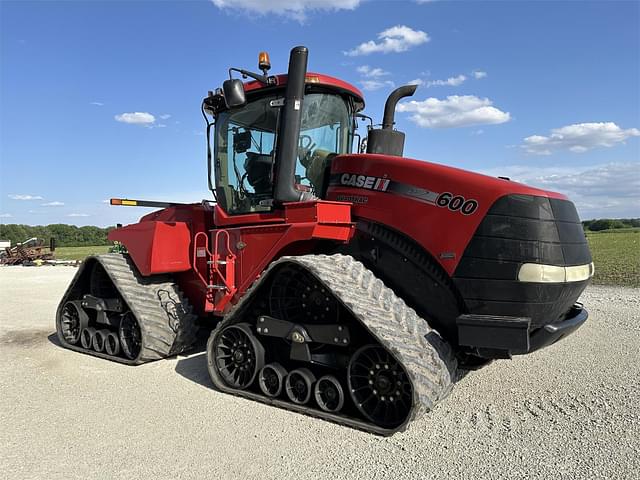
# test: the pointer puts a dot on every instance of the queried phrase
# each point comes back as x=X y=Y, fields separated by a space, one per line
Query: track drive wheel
x=73 y=321
x=238 y=355
x=379 y=386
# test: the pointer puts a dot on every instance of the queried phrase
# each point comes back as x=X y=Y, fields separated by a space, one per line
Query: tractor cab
x=265 y=134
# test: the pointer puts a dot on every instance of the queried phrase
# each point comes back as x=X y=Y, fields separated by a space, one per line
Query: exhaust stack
x=289 y=131
x=386 y=140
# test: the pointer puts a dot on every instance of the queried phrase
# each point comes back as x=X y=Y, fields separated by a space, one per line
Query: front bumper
x=490 y=336
x=554 y=332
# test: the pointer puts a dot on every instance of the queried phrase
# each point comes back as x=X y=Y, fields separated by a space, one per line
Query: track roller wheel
x=130 y=336
x=329 y=394
x=238 y=355
x=99 y=339
x=271 y=379
x=112 y=343
x=379 y=386
x=86 y=337
x=73 y=320
x=299 y=385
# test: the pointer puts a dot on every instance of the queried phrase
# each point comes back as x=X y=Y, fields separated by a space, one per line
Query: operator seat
x=258 y=167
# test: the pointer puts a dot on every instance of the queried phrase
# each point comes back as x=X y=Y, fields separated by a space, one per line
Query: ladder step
x=217 y=287
x=219 y=262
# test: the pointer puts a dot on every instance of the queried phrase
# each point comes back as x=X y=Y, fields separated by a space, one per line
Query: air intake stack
x=386 y=140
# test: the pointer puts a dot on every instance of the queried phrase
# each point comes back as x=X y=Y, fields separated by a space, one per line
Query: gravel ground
x=569 y=411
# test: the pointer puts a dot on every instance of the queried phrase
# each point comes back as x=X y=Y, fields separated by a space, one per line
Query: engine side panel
x=416 y=198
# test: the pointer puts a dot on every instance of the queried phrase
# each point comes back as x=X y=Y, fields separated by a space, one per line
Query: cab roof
x=315 y=79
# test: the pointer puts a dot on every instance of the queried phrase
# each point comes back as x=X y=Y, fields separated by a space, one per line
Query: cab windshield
x=245 y=141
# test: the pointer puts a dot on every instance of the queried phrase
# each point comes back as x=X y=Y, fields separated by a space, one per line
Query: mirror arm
x=261 y=78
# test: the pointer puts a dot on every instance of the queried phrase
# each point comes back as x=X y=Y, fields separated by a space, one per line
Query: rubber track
x=165 y=316
x=428 y=360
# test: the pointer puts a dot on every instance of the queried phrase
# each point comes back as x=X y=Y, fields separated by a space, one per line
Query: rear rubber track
x=428 y=360
x=164 y=315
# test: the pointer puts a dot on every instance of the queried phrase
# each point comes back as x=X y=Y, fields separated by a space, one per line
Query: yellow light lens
x=312 y=79
x=264 y=61
x=130 y=203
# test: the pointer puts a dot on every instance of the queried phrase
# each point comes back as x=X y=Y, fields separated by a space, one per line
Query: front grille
x=522 y=229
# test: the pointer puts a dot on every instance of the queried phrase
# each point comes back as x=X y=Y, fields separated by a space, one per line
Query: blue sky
x=544 y=92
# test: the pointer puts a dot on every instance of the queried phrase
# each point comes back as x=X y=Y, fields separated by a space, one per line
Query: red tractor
x=353 y=287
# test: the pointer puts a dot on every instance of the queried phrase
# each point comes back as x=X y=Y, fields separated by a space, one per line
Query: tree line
x=610 y=224
x=65 y=235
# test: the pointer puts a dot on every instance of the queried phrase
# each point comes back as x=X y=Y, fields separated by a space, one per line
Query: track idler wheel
x=73 y=320
x=130 y=336
x=99 y=339
x=329 y=394
x=112 y=344
x=238 y=354
x=271 y=379
x=379 y=386
x=299 y=385
x=86 y=337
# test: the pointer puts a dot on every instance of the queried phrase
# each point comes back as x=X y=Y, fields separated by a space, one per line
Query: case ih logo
x=362 y=181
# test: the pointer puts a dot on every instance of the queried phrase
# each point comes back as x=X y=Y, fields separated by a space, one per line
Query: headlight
x=534 y=272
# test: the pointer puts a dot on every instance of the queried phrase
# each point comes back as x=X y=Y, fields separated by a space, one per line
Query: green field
x=79 y=253
x=616 y=255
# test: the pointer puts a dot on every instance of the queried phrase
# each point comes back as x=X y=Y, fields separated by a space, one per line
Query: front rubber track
x=428 y=360
x=165 y=316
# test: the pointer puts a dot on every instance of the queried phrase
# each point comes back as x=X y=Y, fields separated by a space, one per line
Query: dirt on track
x=569 y=411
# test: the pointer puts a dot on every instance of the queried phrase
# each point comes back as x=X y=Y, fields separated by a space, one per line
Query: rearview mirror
x=233 y=90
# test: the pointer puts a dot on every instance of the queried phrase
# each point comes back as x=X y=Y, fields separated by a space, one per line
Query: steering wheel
x=305 y=151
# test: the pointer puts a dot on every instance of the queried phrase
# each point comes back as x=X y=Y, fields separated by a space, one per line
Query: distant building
x=5 y=244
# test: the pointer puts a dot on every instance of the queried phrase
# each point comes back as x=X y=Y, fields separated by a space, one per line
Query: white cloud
x=373 y=78
x=371 y=85
x=601 y=191
x=296 y=9
x=478 y=74
x=454 y=111
x=25 y=197
x=370 y=72
x=416 y=81
x=578 y=138
x=137 y=118
x=52 y=204
x=78 y=215
x=451 y=82
x=6 y=215
x=164 y=116
x=97 y=104
x=395 y=39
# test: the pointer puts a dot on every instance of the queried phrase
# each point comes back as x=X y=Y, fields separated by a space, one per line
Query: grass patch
x=79 y=253
x=616 y=255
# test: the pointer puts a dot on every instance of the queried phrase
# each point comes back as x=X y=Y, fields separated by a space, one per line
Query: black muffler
x=386 y=140
x=289 y=129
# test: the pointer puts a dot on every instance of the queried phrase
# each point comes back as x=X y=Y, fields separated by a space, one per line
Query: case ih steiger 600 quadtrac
x=348 y=286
